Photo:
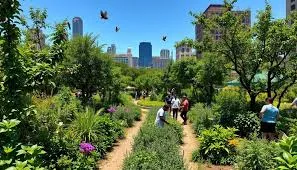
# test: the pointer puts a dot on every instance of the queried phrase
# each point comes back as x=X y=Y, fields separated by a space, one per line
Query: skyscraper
x=145 y=54
x=290 y=6
x=164 y=53
x=77 y=27
x=113 y=49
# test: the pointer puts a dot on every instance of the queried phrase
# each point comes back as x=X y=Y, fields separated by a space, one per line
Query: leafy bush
x=148 y=103
x=124 y=115
x=287 y=159
x=247 y=124
x=256 y=154
x=153 y=96
x=154 y=144
x=99 y=130
x=230 y=104
x=202 y=117
x=13 y=155
x=217 y=145
x=288 y=121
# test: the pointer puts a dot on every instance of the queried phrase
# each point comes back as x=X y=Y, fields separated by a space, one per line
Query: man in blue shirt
x=269 y=114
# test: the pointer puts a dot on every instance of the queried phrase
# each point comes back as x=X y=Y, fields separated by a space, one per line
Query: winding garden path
x=189 y=146
x=115 y=159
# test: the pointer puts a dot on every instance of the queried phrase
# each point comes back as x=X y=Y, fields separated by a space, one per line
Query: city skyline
x=143 y=23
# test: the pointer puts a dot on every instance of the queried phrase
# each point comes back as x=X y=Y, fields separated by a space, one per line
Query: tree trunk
x=269 y=84
x=253 y=102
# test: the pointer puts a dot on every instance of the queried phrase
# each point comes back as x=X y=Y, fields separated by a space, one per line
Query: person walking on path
x=161 y=116
x=168 y=100
x=175 y=107
x=184 y=109
x=269 y=115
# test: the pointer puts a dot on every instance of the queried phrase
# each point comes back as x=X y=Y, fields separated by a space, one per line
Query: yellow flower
x=234 y=142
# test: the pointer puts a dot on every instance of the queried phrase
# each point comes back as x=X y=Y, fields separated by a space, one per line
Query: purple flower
x=111 y=110
x=86 y=148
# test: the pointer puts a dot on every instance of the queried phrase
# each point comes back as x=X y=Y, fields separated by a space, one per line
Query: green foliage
x=153 y=144
x=148 y=103
x=287 y=159
x=153 y=96
x=14 y=155
x=84 y=57
x=217 y=145
x=230 y=104
x=202 y=118
x=256 y=155
x=288 y=121
x=127 y=114
x=247 y=124
x=149 y=81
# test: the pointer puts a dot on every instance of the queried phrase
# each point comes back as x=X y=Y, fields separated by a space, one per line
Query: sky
x=140 y=20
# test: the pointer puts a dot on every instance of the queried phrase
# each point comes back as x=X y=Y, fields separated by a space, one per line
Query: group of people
x=173 y=104
x=269 y=114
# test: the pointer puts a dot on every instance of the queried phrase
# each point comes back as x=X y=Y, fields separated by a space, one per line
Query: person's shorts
x=267 y=127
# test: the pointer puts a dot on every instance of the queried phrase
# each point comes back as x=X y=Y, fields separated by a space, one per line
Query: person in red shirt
x=184 y=109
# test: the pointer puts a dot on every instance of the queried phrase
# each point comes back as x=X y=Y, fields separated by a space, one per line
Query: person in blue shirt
x=269 y=115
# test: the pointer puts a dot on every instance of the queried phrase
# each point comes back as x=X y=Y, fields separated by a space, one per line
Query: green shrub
x=148 y=103
x=247 y=124
x=256 y=155
x=217 y=145
x=99 y=130
x=287 y=159
x=230 y=104
x=156 y=148
x=143 y=160
x=153 y=96
x=13 y=155
x=202 y=118
x=124 y=115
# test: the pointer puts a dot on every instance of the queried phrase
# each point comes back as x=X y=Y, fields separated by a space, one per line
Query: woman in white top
x=175 y=106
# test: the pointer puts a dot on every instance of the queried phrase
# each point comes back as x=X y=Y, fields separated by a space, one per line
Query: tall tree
x=264 y=47
x=13 y=93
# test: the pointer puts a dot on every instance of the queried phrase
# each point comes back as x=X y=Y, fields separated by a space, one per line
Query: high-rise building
x=135 y=61
x=124 y=58
x=77 y=27
x=113 y=49
x=145 y=54
x=164 y=53
x=218 y=9
x=291 y=5
x=183 y=51
x=109 y=50
x=159 y=62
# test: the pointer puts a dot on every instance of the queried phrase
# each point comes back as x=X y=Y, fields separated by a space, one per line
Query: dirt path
x=190 y=145
x=115 y=159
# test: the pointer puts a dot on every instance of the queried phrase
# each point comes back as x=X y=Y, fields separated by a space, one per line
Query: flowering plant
x=86 y=148
x=111 y=110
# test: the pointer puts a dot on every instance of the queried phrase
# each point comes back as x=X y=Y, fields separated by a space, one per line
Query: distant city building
x=145 y=54
x=164 y=53
x=113 y=49
x=183 y=51
x=109 y=50
x=37 y=37
x=124 y=58
x=290 y=6
x=135 y=61
x=77 y=27
x=217 y=9
x=159 y=62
